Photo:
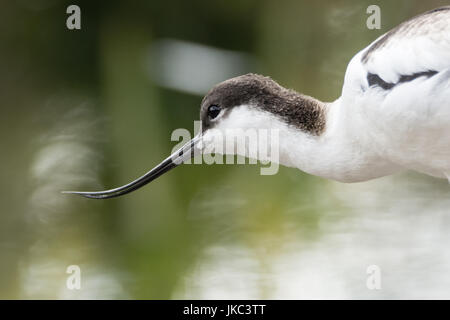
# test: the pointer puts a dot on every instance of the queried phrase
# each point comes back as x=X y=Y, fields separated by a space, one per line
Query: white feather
x=409 y=124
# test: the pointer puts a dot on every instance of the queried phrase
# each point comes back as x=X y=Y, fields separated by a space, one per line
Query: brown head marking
x=256 y=91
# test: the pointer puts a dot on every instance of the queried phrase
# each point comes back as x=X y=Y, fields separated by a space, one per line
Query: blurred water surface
x=95 y=108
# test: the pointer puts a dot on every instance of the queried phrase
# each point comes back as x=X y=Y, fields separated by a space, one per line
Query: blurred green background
x=94 y=108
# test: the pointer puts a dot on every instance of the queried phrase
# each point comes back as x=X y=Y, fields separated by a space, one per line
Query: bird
x=393 y=113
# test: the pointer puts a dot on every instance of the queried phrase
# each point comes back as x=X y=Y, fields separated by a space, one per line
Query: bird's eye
x=213 y=111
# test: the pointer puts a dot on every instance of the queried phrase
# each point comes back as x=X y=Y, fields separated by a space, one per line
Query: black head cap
x=264 y=93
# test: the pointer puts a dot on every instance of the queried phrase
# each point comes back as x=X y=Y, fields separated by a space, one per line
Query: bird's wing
x=415 y=47
x=403 y=79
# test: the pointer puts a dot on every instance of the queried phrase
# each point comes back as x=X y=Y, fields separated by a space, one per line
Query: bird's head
x=227 y=112
x=233 y=106
x=249 y=90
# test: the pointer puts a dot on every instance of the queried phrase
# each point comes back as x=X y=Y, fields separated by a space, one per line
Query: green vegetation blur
x=81 y=110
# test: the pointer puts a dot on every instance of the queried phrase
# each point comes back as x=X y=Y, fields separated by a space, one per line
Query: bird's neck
x=341 y=151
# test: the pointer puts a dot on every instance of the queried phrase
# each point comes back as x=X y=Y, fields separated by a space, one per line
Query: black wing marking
x=375 y=80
